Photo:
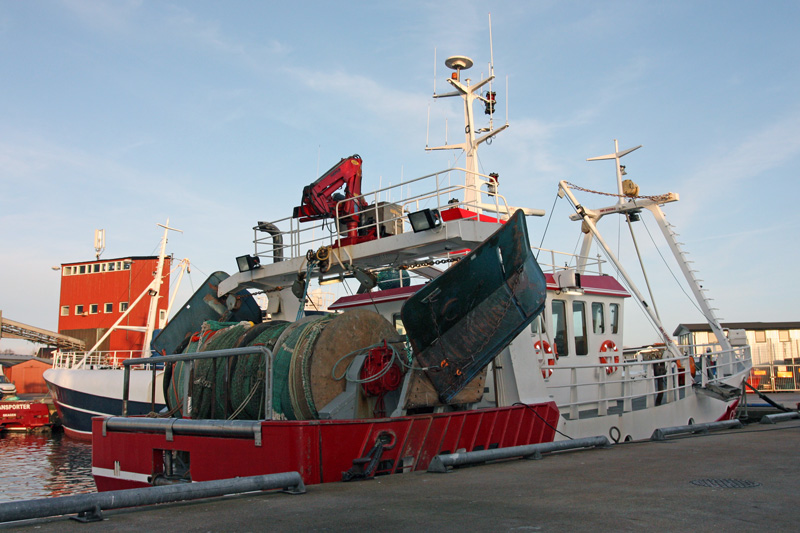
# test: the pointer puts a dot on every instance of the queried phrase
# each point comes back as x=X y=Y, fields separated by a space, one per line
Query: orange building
x=27 y=376
x=95 y=294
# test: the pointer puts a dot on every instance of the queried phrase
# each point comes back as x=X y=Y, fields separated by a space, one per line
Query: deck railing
x=95 y=360
x=287 y=238
x=640 y=383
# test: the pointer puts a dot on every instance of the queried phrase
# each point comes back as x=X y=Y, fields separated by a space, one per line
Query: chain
x=421 y=264
x=657 y=198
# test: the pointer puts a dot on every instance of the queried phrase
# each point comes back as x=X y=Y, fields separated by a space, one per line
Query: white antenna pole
x=428 y=126
x=506 y=99
x=434 y=71
x=491 y=49
x=491 y=71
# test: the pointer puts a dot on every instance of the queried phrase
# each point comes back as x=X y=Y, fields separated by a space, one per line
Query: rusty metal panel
x=461 y=320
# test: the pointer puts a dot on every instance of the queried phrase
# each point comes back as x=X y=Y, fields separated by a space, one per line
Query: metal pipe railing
x=230 y=352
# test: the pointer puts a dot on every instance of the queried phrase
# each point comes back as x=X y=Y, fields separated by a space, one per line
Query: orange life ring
x=609 y=360
x=548 y=362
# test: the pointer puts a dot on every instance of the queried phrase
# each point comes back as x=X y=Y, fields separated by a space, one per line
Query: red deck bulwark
x=321 y=450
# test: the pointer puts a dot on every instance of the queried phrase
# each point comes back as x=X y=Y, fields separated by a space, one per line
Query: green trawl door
x=461 y=320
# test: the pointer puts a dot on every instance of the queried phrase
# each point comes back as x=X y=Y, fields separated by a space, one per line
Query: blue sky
x=118 y=115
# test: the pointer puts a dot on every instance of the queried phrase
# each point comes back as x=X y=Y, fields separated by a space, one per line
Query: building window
x=126 y=265
x=783 y=335
x=93 y=308
x=761 y=336
x=64 y=310
x=82 y=269
x=78 y=309
x=579 y=328
x=97 y=267
x=560 y=327
x=111 y=267
x=614 y=311
x=109 y=308
x=123 y=306
x=598 y=320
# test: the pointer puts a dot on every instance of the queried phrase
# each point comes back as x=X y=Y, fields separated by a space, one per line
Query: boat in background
x=17 y=414
x=96 y=307
x=473 y=341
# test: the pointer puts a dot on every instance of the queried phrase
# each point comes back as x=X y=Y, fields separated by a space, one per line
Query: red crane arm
x=318 y=200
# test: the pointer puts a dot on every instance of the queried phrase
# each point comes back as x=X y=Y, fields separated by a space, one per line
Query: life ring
x=550 y=358
x=610 y=360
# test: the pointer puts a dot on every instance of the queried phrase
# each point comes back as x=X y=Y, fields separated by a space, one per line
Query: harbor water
x=43 y=465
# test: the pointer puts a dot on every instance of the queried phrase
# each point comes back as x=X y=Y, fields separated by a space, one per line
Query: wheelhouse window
x=614 y=312
x=579 y=327
x=560 y=327
x=64 y=310
x=598 y=319
x=537 y=326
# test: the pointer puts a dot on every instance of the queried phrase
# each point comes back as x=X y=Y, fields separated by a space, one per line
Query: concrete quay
x=640 y=486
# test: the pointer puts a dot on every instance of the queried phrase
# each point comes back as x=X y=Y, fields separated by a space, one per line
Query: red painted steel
x=455 y=213
x=23 y=415
x=321 y=450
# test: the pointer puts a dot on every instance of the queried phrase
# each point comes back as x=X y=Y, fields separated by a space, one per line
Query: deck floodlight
x=248 y=262
x=424 y=220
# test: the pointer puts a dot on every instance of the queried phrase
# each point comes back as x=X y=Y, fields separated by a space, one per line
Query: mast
x=155 y=290
x=469 y=94
x=628 y=205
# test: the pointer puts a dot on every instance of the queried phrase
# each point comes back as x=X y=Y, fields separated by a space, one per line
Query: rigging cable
x=547 y=226
x=677 y=281
x=546 y=423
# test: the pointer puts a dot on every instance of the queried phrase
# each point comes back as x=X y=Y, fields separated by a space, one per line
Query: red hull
x=320 y=450
x=24 y=416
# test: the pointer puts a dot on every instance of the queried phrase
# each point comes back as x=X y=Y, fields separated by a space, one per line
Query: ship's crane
x=320 y=199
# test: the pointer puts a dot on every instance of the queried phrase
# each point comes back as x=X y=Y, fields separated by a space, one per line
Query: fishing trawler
x=457 y=339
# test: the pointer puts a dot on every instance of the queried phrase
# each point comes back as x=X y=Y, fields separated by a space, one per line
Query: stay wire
x=669 y=269
x=547 y=226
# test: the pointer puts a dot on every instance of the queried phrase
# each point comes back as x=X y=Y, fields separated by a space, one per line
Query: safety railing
x=384 y=216
x=214 y=355
x=593 y=265
x=634 y=384
x=95 y=360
